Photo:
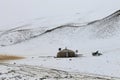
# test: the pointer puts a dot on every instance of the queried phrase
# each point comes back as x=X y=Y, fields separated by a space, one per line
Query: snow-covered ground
x=36 y=29
x=36 y=42
x=107 y=64
x=29 y=72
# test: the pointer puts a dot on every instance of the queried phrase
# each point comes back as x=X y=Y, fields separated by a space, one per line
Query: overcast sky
x=13 y=11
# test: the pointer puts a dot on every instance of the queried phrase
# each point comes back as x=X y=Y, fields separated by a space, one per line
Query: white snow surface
x=27 y=39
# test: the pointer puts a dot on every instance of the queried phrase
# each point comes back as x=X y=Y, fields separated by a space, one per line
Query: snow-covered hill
x=69 y=31
x=44 y=36
x=106 y=27
x=35 y=29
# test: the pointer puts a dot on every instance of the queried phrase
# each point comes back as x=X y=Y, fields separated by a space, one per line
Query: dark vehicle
x=96 y=53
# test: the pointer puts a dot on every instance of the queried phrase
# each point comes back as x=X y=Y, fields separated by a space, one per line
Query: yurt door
x=67 y=55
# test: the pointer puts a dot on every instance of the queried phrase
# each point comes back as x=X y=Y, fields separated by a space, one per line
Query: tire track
x=28 y=72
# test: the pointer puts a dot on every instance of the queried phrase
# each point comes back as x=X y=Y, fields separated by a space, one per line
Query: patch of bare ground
x=10 y=57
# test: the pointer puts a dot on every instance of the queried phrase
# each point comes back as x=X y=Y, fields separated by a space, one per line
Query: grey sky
x=13 y=11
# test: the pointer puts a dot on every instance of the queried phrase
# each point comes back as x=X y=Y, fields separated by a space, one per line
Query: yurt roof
x=66 y=50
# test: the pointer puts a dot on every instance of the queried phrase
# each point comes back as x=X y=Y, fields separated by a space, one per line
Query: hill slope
x=103 y=28
x=87 y=37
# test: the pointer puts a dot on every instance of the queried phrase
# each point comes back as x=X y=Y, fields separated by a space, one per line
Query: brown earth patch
x=10 y=57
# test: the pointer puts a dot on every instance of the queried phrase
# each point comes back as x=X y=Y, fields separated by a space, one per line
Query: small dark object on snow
x=59 y=49
x=76 y=51
x=96 y=53
x=14 y=63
